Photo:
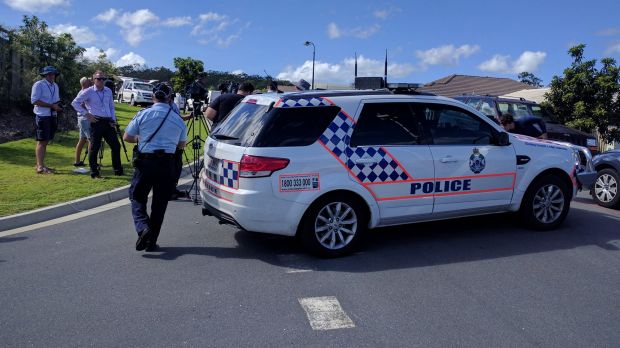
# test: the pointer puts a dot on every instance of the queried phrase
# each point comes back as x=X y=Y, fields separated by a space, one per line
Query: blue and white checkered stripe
x=303 y=102
x=230 y=174
x=336 y=139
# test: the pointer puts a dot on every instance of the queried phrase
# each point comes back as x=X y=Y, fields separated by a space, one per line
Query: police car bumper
x=246 y=209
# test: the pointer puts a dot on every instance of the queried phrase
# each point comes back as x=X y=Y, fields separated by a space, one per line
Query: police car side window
x=453 y=126
x=386 y=124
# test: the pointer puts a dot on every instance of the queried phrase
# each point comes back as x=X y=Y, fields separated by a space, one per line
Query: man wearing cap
x=302 y=85
x=223 y=104
x=99 y=110
x=45 y=96
x=159 y=133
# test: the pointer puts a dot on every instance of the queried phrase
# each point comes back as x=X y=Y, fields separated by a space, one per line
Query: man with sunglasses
x=99 y=110
x=526 y=125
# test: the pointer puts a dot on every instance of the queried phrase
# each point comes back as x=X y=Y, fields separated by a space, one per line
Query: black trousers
x=103 y=130
x=155 y=174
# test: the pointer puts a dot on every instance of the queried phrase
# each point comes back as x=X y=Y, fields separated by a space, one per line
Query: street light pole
x=308 y=43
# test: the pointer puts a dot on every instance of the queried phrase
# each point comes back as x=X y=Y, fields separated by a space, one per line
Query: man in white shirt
x=99 y=110
x=45 y=96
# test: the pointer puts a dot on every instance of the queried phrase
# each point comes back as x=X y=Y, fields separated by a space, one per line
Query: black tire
x=605 y=188
x=132 y=101
x=336 y=232
x=545 y=203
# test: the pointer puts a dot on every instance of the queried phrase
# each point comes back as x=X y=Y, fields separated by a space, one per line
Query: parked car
x=605 y=188
x=494 y=107
x=136 y=92
x=327 y=165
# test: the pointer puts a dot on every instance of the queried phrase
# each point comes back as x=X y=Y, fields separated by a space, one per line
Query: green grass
x=21 y=189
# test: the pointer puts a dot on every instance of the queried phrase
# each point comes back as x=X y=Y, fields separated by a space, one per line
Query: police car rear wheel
x=605 y=190
x=546 y=203
x=332 y=227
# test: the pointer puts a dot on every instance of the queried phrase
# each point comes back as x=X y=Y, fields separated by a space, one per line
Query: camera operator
x=159 y=134
x=222 y=105
x=99 y=111
x=45 y=96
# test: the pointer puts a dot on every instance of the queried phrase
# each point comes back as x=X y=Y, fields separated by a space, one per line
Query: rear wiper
x=224 y=137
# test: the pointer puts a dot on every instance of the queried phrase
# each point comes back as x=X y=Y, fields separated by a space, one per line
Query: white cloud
x=92 y=53
x=528 y=61
x=81 y=35
x=386 y=12
x=609 y=32
x=215 y=27
x=36 y=5
x=334 y=32
x=343 y=72
x=107 y=16
x=445 y=55
x=615 y=48
x=137 y=18
x=178 y=21
x=237 y=72
x=130 y=59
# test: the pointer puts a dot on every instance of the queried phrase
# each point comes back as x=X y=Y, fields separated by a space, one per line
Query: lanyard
x=101 y=98
x=52 y=90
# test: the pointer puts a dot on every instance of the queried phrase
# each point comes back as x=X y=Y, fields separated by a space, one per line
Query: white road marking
x=294 y=263
x=325 y=313
x=75 y=216
x=66 y=218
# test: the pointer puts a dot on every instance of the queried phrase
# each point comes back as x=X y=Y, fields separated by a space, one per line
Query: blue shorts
x=45 y=128
x=84 y=126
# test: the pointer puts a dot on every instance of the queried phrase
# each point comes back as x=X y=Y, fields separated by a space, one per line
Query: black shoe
x=151 y=247
x=96 y=176
x=143 y=238
x=79 y=164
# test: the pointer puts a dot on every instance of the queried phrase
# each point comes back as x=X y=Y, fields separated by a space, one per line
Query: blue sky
x=426 y=40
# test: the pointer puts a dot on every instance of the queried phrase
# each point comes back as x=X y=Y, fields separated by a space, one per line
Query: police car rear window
x=295 y=126
x=255 y=125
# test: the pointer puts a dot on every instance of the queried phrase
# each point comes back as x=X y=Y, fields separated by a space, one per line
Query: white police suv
x=327 y=165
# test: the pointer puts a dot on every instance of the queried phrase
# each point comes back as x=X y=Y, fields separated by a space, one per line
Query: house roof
x=454 y=85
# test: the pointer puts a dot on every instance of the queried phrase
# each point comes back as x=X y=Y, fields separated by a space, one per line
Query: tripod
x=195 y=127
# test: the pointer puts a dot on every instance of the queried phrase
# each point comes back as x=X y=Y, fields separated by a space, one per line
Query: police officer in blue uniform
x=158 y=132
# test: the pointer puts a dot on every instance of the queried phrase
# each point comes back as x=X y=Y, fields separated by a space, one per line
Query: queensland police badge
x=476 y=161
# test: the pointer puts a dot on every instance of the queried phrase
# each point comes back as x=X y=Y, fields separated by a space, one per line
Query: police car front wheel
x=332 y=226
x=546 y=203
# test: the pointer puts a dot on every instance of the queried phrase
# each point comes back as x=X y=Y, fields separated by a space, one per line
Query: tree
x=187 y=71
x=38 y=47
x=530 y=79
x=587 y=97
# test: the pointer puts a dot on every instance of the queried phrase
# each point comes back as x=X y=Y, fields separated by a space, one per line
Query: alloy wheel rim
x=606 y=188
x=335 y=225
x=548 y=203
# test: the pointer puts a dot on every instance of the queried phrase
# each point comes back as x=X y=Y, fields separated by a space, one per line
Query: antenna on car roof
x=385 y=69
x=355 y=64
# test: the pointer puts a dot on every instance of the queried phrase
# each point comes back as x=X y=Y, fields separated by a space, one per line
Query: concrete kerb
x=62 y=209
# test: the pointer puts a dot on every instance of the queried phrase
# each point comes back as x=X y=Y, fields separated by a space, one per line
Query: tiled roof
x=454 y=85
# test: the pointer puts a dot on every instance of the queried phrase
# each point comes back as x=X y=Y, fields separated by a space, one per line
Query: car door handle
x=366 y=161
x=448 y=159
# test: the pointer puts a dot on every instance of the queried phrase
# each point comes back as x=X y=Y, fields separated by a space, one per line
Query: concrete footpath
x=79 y=205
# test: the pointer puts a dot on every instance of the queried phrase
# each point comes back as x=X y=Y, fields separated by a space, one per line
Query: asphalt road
x=470 y=282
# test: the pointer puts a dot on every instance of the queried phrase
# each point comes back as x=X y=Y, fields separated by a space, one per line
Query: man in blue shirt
x=99 y=110
x=45 y=96
x=526 y=125
x=158 y=132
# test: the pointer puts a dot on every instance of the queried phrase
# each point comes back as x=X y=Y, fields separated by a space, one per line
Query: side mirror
x=502 y=139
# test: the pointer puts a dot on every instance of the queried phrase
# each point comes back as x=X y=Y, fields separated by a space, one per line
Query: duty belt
x=155 y=155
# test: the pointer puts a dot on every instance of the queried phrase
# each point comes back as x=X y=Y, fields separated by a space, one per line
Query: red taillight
x=251 y=101
x=257 y=166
